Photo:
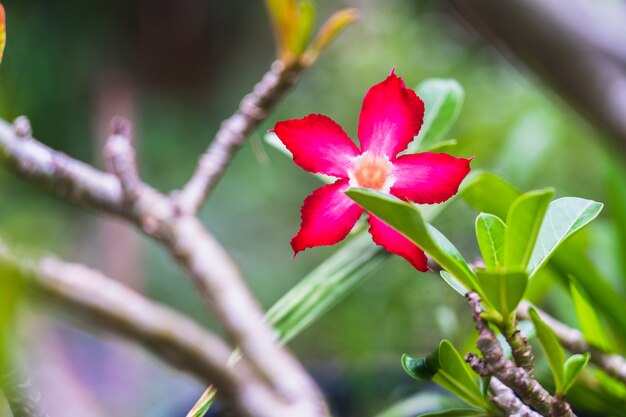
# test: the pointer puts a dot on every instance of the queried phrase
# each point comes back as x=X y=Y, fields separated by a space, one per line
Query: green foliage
x=487 y=193
x=573 y=366
x=490 y=232
x=563 y=218
x=588 y=320
x=443 y=99
x=523 y=222
x=446 y=367
x=457 y=412
x=552 y=348
x=408 y=220
x=503 y=289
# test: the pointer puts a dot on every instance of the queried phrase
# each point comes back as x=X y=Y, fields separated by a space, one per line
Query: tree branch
x=574 y=341
x=526 y=387
x=584 y=63
x=215 y=274
x=231 y=135
x=508 y=402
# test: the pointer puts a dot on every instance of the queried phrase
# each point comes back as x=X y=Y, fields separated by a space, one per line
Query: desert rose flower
x=391 y=116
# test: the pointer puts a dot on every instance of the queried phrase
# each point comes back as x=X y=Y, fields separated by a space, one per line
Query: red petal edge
x=390 y=118
x=328 y=215
x=394 y=242
x=428 y=178
x=318 y=144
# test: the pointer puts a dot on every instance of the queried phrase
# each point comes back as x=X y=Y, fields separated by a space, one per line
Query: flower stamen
x=372 y=171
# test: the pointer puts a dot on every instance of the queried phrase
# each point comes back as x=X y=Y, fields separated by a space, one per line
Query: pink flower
x=390 y=118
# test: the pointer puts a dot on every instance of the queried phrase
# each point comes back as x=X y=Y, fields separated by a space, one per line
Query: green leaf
x=446 y=367
x=453 y=283
x=326 y=286
x=408 y=220
x=588 y=319
x=304 y=30
x=552 y=348
x=457 y=412
x=490 y=232
x=443 y=99
x=572 y=368
x=522 y=227
x=486 y=192
x=504 y=290
x=563 y=218
x=445 y=146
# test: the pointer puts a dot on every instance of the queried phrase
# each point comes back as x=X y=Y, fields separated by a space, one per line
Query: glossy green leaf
x=457 y=412
x=453 y=283
x=487 y=193
x=504 y=290
x=552 y=348
x=490 y=232
x=522 y=227
x=443 y=99
x=588 y=320
x=563 y=218
x=446 y=367
x=572 y=368
x=408 y=220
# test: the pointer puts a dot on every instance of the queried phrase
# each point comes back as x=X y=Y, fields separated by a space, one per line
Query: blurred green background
x=178 y=69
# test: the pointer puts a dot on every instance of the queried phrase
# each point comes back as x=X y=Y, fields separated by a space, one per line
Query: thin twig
x=526 y=387
x=574 y=341
x=520 y=349
x=233 y=132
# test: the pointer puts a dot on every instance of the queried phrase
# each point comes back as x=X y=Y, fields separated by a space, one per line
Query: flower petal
x=390 y=118
x=428 y=178
x=396 y=243
x=318 y=144
x=328 y=215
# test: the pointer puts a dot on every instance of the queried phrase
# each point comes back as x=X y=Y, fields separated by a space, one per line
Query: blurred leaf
x=522 y=227
x=443 y=99
x=457 y=412
x=572 y=368
x=486 y=192
x=418 y=404
x=445 y=146
x=563 y=218
x=616 y=202
x=552 y=348
x=446 y=367
x=284 y=17
x=490 y=232
x=326 y=286
x=333 y=26
x=590 y=325
x=304 y=30
x=503 y=289
x=408 y=220
x=3 y=31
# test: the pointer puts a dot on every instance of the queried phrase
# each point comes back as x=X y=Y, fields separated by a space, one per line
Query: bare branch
x=120 y=157
x=526 y=387
x=253 y=109
x=215 y=274
x=65 y=177
x=584 y=63
x=574 y=341
x=508 y=402
x=520 y=349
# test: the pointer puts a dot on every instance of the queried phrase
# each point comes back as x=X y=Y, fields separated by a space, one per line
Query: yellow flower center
x=371 y=171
